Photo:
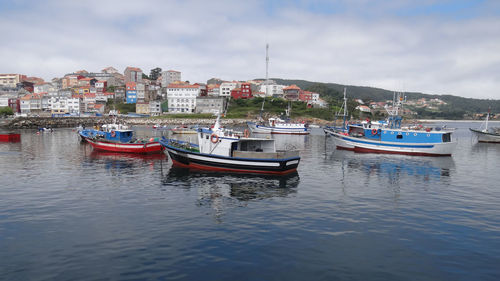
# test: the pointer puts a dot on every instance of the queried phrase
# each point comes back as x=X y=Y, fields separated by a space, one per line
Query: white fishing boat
x=391 y=138
x=485 y=134
x=222 y=150
x=277 y=125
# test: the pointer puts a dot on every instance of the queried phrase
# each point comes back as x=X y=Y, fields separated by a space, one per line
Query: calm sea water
x=69 y=213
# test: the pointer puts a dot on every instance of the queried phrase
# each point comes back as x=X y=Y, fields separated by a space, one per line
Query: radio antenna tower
x=267 y=68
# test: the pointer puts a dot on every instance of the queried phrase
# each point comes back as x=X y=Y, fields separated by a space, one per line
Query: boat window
x=447 y=137
x=399 y=136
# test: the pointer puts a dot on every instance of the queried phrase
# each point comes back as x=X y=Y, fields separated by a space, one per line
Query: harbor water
x=70 y=213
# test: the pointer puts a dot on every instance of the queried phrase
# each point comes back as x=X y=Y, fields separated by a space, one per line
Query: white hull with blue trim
x=361 y=144
x=279 y=128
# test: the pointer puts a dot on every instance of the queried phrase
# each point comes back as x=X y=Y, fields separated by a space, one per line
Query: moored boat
x=222 y=150
x=183 y=130
x=390 y=138
x=10 y=137
x=485 y=134
x=116 y=139
x=279 y=126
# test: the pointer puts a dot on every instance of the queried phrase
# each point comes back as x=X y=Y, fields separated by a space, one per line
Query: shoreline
x=68 y=122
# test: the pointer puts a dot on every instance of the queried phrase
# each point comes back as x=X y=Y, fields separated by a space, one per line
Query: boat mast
x=267 y=79
x=345 y=109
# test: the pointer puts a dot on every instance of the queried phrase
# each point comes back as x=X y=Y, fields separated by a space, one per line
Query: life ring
x=214 y=138
x=374 y=131
x=246 y=133
x=113 y=134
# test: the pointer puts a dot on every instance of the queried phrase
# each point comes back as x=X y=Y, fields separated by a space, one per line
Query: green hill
x=455 y=104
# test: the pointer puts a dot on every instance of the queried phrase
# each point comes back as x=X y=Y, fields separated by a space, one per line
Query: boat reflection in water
x=397 y=167
x=221 y=191
x=119 y=160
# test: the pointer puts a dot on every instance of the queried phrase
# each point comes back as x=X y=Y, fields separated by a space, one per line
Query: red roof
x=133 y=68
x=173 y=71
x=292 y=87
x=98 y=105
x=90 y=95
x=182 y=86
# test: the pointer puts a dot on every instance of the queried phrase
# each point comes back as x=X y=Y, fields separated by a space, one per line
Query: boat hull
x=199 y=161
x=486 y=137
x=10 y=137
x=142 y=148
x=261 y=129
x=361 y=145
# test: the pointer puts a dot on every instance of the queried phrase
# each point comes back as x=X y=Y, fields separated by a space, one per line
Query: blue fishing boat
x=390 y=137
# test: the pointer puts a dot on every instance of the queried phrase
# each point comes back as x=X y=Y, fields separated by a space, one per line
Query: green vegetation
x=5 y=110
x=455 y=109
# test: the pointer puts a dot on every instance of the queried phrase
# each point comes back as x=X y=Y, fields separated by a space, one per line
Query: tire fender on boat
x=113 y=134
x=214 y=138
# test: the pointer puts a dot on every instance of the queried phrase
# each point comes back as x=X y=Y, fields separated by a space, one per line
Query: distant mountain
x=455 y=103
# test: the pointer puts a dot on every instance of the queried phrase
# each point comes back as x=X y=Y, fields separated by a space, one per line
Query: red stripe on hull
x=218 y=169
x=131 y=148
x=368 y=150
x=10 y=137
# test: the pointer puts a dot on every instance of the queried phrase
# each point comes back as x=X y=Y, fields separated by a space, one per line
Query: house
x=142 y=107
x=213 y=90
x=292 y=92
x=272 y=90
x=227 y=87
x=170 y=76
x=42 y=87
x=182 y=97
x=141 y=91
x=110 y=70
x=131 y=92
x=155 y=108
x=306 y=96
x=70 y=80
x=210 y=104
x=133 y=74
x=244 y=92
x=101 y=86
x=363 y=108
x=11 y=80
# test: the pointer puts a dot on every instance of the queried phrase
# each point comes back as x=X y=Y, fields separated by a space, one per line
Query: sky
x=429 y=46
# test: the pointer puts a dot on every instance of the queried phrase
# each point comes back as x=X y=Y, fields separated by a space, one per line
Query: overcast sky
x=435 y=47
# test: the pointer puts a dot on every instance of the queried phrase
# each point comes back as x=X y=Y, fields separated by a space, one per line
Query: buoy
x=152 y=139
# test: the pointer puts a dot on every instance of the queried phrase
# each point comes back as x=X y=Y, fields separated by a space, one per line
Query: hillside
x=455 y=103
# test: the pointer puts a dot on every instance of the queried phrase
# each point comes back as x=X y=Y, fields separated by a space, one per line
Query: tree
x=6 y=110
x=155 y=73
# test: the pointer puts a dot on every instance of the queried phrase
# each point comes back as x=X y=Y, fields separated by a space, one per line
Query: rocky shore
x=71 y=122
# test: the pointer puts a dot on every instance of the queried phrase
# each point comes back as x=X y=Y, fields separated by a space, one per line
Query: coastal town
x=88 y=94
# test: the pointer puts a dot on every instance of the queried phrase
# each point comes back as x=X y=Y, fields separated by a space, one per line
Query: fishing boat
x=183 y=130
x=223 y=150
x=120 y=139
x=485 y=134
x=278 y=125
x=10 y=137
x=390 y=137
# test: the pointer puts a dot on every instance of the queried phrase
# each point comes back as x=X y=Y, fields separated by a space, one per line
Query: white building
x=155 y=108
x=141 y=91
x=227 y=87
x=182 y=98
x=58 y=105
x=272 y=90
x=42 y=88
x=170 y=76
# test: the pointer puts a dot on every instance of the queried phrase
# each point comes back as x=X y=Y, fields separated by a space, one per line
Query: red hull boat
x=10 y=137
x=142 y=148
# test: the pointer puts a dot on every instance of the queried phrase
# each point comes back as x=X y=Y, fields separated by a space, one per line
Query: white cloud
x=226 y=39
